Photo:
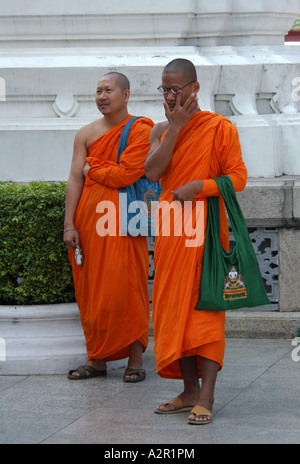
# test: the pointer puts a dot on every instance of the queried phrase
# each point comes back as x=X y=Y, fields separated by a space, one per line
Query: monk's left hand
x=187 y=192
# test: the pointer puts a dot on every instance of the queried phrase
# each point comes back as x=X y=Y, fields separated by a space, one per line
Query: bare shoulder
x=159 y=129
x=90 y=132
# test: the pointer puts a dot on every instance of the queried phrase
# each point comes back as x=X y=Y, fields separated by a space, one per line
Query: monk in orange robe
x=187 y=152
x=111 y=284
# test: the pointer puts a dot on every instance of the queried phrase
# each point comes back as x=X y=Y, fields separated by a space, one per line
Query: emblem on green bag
x=234 y=287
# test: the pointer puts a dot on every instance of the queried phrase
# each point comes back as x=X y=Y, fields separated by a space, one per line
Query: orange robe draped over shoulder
x=208 y=147
x=111 y=285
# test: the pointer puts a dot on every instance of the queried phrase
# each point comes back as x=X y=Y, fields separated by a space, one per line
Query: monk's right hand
x=71 y=238
x=180 y=116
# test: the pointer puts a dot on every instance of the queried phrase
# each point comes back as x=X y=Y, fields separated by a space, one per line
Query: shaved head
x=182 y=66
x=122 y=81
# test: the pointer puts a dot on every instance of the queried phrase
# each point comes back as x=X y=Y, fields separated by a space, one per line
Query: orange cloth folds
x=131 y=167
x=111 y=285
x=179 y=330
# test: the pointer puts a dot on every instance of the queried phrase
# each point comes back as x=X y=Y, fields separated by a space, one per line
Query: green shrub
x=34 y=264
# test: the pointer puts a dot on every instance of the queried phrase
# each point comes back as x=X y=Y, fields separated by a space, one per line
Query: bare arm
x=161 y=152
x=74 y=189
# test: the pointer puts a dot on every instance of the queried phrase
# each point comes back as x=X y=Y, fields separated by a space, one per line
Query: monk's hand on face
x=86 y=167
x=187 y=192
x=179 y=116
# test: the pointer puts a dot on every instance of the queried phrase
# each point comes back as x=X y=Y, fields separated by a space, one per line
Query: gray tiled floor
x=257 y=401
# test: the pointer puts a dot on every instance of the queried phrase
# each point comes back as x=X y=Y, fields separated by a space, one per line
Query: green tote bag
x=229 y=280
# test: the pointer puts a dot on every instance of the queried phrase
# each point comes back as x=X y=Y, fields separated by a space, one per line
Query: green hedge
x=34 y=264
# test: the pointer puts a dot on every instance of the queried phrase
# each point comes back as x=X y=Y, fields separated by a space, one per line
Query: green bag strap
x=213 y=204
x=236 y=218
x=213 y=216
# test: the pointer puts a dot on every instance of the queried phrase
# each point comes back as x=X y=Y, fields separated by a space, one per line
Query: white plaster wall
x=151 y=22
x=64 y=48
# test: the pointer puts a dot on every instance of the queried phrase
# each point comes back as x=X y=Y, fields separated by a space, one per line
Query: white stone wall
x=52 y=54
x=150 y=22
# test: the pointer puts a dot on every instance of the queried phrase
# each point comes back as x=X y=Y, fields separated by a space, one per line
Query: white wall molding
x=53 y=53
x=32 y=23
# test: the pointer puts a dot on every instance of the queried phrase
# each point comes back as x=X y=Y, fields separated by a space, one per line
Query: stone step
x=48 y=339
x=261 y=324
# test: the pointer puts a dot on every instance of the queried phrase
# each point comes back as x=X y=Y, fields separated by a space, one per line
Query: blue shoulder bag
x=138 y=201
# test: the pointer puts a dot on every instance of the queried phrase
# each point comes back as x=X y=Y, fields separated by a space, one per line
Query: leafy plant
x=34 y=263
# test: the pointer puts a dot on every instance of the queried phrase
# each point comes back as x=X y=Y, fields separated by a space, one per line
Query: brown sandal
x=200 y=411
x=177 y=403
x=82 y=371
x=141 y=375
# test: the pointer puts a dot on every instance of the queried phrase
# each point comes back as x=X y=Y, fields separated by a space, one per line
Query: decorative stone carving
x=265 y=245
x=65 y=105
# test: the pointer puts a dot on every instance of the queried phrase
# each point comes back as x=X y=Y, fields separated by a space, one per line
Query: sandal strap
x=177 y=402
x=90 y=369
x=130 y=371
x=81 y=370
x=201 y=411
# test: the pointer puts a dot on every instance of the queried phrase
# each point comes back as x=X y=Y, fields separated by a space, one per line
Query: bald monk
x=187 y=152
x=111 y=284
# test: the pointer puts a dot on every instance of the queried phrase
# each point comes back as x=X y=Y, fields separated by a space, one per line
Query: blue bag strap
x=124 y=136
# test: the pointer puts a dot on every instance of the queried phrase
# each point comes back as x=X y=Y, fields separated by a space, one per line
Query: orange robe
x=180 y=330
x=111 y=285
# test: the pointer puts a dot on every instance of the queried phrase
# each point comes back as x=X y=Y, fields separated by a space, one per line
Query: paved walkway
x=257 y=401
